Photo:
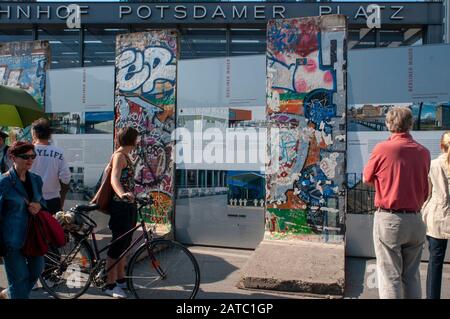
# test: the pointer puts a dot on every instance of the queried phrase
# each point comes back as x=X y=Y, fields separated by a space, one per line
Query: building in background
x=237 y=116
x=207 y=29
x=446 y=4
x=204 y=32
x=443 y=116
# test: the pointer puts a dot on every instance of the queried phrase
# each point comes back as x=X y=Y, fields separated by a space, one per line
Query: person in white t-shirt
x=50 y=165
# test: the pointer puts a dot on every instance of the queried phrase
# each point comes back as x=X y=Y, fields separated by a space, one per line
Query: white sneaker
x=116 y=292
x=122 y=285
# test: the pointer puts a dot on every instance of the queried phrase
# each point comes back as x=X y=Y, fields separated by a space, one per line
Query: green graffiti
x=292 y=96
x=153 y=215
x=167 y=100
x=289 y=221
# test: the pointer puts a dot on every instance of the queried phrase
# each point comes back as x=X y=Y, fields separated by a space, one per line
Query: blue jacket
x=13 y=208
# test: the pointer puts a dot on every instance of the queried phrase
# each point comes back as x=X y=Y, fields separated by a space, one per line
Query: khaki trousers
x=398 y=241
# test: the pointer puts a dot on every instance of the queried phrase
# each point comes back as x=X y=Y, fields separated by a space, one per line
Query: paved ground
x=219 y=268
x=220 y=271
x=361 y=279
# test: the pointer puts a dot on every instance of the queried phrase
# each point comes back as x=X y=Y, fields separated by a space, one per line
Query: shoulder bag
x=105 y=193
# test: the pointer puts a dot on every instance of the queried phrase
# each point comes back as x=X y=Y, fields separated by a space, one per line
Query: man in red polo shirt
x=398 y=168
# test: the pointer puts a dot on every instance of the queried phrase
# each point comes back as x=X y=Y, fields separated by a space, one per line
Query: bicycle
x=159 y=268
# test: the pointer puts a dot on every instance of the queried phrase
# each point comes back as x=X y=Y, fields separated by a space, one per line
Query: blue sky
x=428 y=110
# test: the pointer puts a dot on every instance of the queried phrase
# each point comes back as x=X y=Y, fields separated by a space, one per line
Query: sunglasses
x=26 y=156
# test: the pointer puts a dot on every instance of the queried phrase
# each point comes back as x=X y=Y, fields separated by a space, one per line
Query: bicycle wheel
x=163 y=269
x=67 y=270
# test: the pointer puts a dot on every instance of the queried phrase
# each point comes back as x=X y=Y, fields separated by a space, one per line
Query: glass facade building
x=94 y=43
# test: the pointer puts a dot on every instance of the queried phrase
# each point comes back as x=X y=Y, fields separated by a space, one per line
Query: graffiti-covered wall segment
x=306 y=101
x=146 y=65
x=23 y=65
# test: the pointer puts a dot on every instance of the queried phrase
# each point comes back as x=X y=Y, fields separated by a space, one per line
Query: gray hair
x=399 y=119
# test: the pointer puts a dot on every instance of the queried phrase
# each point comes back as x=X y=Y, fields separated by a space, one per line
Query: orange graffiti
x=313 y=153
x=168 y=112
x=291 y=106
x=293 y=202
x=161 y=208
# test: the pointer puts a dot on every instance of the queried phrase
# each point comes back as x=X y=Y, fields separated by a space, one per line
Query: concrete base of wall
x=296 y=266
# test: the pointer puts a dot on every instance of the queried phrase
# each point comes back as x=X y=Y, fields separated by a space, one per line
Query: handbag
x=43 y=230
x=105 y=192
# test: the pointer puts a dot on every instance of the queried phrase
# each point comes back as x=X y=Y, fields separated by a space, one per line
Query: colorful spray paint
x=306 y=103
x=23 y=65
x=145 y=98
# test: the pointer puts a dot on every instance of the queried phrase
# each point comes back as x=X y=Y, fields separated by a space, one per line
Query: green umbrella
x=17 y=107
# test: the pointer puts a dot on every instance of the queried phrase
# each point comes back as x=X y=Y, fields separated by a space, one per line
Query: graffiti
x=161 y=209
x=300 y=78
x=142 y=69
x=145 y=99
x=306 y=102
x=23 y=65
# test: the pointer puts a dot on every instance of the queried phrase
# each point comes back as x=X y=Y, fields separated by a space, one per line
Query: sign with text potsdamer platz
x=15 y=12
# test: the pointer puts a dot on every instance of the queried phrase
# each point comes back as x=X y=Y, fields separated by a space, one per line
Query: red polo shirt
x=399 y=169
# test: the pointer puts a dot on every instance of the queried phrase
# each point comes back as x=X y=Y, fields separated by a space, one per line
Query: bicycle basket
x=71 y=222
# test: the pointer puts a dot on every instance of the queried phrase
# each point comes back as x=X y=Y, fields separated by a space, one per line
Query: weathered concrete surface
x=296 y=266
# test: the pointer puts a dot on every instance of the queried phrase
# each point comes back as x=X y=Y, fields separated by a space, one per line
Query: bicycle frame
x=97 y=270
x=144 y=236
x=97 y=252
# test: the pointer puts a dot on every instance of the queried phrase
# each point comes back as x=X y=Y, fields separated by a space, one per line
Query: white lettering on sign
x=21 y=11
x=162 y=8
x=218 y=12
x=395 y=15
x=199 y=16
x=361 y=12
x=59 y=13
x=144 y=12
x=193 y=11
x=242 y=13
x=39 y=12
x=278 y=11
x=259 y=12
x=325 y=10
x=6 y=11
x=123 y=10
x=181 y=12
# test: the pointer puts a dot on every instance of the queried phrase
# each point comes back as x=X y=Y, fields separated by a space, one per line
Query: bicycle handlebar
x=144 y=201
x=81 y=209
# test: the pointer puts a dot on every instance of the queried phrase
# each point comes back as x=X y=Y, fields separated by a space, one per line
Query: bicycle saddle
x=86 y=207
